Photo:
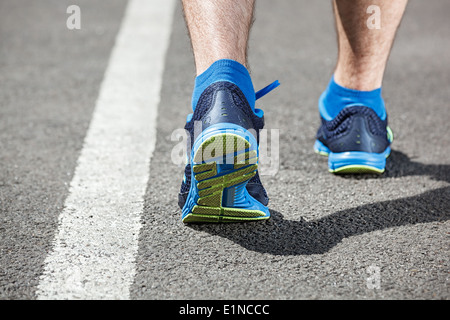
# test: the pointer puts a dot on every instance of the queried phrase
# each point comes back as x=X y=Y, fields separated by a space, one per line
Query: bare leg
x=219 y=29
x=223 y=98
x=363 y=52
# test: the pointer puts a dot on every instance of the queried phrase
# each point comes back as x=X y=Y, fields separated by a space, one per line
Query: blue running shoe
x=355 y=141
x=221 y=181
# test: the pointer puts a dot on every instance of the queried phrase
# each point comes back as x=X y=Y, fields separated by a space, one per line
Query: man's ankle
x=225 y=70
x=336 y=97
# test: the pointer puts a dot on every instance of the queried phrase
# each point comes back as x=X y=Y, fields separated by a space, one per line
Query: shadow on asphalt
x=400 y=165
x=279 y=236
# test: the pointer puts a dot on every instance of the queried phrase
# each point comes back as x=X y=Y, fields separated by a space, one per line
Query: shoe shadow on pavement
x=279 y=236
x=400 y=165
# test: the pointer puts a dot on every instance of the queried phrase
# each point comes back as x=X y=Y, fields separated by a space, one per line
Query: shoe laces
x=261 y=93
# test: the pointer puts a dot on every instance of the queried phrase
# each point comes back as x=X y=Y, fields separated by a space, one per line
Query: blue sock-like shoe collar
x=337 y=97
x=225 y=70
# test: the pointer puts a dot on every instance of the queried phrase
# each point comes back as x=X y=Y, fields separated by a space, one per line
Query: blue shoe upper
x=355 y=128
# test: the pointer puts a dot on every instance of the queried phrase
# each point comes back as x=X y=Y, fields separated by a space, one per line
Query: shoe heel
x=355 y=162
x=222 y=164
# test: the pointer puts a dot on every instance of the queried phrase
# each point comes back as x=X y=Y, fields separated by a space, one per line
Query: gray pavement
x=330 y=237
x=50 y=78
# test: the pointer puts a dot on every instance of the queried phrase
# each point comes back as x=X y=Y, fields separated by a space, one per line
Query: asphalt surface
x=327 y=233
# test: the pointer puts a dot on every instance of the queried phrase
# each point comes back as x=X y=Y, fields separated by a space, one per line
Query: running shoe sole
x=352 y=162
x=223 y=159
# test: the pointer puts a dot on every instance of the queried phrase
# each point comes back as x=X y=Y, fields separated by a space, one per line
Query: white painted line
x=96 y=243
